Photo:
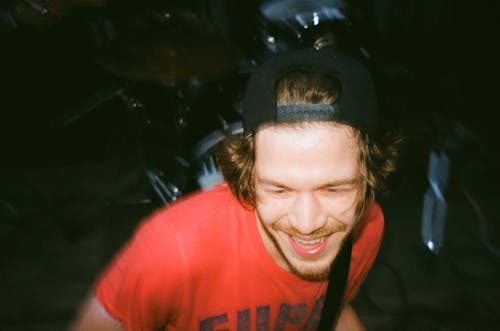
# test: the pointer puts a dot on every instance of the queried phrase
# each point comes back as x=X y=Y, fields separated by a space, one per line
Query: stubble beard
x=312 y=272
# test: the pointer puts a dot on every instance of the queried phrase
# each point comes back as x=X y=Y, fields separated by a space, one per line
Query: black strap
x=336 y=287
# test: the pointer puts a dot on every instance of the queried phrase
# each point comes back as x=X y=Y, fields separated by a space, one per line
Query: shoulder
x=201 y=202
x=192 y=222
x=163 y=254
x=180 y=225
x=194 y=210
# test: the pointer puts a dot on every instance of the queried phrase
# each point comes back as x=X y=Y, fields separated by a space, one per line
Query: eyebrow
x=340 y=182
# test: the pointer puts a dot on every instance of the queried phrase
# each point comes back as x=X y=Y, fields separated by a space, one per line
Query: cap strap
x=307 y=112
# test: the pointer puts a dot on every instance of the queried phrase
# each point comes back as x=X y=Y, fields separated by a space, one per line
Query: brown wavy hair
x=377 y=155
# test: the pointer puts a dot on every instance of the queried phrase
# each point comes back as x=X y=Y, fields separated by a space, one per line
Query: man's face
x=307 y=188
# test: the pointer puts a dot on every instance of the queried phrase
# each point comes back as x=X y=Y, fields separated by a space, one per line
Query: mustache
x=319 y=233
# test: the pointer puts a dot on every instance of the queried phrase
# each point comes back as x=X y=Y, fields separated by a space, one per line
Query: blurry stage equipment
x=40 y=14
x=208 y=174
x=163 y=46
x=170 y=70
x=155 y=139
x=289 y=24
x=457 y=168
x=435 y=205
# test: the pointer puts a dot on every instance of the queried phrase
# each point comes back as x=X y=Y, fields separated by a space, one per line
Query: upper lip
x=300 y=238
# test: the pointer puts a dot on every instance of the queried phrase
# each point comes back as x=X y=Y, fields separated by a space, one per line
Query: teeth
x=308 y=242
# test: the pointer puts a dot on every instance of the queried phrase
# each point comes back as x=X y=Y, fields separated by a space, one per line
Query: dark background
x=96 y=95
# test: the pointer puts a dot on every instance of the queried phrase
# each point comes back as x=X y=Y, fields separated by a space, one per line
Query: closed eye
x=273 y=187
x=333 y=190
x=277 y=190
x=338 y=189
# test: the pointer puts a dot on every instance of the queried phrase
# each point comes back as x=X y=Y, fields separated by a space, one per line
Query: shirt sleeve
x=139 y=286
x=367 y=240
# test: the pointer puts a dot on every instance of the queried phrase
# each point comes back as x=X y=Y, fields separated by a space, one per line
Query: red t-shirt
x=200 y=264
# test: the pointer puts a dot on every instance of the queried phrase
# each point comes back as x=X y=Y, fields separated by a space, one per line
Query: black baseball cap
x=356 y=105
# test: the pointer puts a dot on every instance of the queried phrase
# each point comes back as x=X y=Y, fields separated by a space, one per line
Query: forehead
x=308 y=135
x=316 y=151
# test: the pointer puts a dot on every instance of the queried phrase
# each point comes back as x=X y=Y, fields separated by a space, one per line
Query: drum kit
x=180 y=79
x=176 y=79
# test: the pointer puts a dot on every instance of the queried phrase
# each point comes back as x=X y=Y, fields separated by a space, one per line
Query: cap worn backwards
x=356 y=105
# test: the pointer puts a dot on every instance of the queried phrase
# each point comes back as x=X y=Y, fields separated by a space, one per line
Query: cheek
x=271 y=210
x=347 y=205
x=341 y=208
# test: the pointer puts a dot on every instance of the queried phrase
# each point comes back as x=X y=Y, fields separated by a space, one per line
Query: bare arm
x=349 y=320
x=93 y=317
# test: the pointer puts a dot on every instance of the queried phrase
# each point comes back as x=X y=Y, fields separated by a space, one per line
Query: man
x=255 y=253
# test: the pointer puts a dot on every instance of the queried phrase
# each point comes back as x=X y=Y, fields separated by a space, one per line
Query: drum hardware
x=161 y=176
x=304 y=12
x=36 y=7
x=187 y=94
x=288 y=24
x=435 y=207
x=166 y=191
x=209 y=174
x=175 y=53
x=167 y=174
x=92 y=102
x=457 y=161
x=300 y=15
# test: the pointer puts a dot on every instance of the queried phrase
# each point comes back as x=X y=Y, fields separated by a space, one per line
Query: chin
x=311 y=273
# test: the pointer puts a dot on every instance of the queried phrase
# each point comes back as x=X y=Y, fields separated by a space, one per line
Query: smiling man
x=256 y=253
x=306 y=194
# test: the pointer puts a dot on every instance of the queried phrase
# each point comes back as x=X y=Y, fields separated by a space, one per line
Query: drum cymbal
x=177 y=52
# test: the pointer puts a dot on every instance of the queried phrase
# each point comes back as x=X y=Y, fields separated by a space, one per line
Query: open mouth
x=308 y=247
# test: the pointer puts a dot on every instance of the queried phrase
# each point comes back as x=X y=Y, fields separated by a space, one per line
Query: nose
x=306 y=215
